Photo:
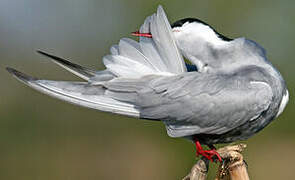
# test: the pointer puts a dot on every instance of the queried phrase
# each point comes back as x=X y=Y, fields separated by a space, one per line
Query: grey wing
x=79 y=93
x=194 y=103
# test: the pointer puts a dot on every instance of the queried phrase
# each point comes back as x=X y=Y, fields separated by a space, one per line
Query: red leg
x=213 y=148
x=138 y=34
x=209 y=154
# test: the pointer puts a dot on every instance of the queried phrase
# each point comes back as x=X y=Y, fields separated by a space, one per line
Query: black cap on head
x=181 y=22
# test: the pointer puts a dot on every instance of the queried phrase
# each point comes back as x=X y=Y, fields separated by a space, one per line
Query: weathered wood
x=199 y=171
x=233 y=166
x=238 y=171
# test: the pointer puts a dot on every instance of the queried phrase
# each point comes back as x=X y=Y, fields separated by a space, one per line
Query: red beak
x=138 y=34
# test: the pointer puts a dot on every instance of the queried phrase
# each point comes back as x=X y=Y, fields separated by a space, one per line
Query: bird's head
x=209 y=50
x=197 y=40
x=195 y=30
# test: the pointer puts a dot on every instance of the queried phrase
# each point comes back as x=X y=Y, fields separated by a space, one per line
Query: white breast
x=284 y=102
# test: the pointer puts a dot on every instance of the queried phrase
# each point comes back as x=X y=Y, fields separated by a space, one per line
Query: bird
x=228 y=92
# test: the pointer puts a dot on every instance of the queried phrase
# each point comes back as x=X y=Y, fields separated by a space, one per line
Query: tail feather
x=131 y=49
x=149 y=48
x=125 y=67
x=162 y=35
x=157 y=55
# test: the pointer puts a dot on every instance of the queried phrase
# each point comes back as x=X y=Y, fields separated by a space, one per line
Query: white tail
x=157 y=55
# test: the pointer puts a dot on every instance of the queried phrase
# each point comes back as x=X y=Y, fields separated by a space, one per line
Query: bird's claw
x=209 y=154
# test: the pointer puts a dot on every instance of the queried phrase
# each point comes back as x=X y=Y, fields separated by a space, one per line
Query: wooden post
x=232 y=168
x=199 y=170
x=238 y=171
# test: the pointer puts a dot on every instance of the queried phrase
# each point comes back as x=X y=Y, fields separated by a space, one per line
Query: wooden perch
x=199 y=170
x=233 y=166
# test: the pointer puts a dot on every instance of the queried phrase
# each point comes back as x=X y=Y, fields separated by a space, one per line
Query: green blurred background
x=42 y=138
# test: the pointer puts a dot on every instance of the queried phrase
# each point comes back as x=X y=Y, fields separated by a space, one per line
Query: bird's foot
x=209 y=154
x=138 y=34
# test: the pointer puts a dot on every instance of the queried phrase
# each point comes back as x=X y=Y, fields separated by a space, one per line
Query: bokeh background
x=42 y=138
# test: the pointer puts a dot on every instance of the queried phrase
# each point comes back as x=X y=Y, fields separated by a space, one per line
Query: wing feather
x=79 y=93
x=82 y=72
x=194 y=103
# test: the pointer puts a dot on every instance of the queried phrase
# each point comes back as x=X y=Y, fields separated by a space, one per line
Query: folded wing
x=194 y=103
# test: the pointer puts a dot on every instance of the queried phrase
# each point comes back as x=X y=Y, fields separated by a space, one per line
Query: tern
x=229 y=92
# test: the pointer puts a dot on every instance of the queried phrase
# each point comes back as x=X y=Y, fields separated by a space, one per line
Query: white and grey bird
x=229 y=93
